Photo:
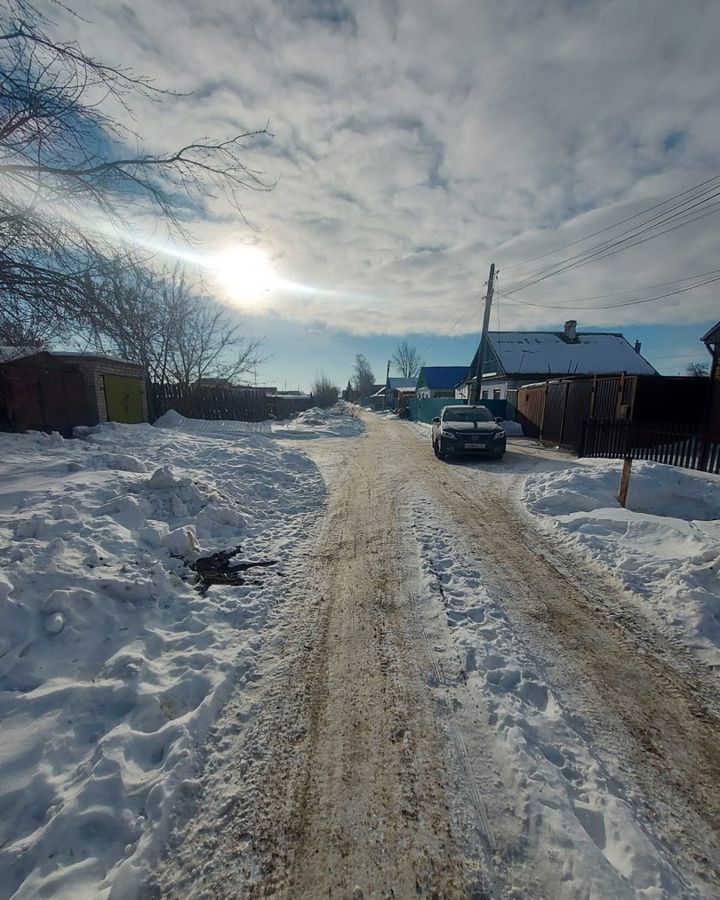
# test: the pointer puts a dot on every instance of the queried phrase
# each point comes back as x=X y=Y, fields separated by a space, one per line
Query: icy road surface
x=448 y=703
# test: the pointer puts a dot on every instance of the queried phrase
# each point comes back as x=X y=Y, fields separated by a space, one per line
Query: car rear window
x=468 y=415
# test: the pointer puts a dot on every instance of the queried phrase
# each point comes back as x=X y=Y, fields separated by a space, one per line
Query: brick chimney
x=570 y=331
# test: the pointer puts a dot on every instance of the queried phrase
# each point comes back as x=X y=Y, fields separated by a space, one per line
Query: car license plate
x=474 y=446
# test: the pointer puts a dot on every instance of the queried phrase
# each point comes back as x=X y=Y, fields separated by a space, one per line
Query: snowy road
x=448 y=706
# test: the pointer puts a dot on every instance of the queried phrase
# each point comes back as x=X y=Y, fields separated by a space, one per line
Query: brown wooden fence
x=210 y=403
x=676 y=444
x=234 y=404
x=555 y=411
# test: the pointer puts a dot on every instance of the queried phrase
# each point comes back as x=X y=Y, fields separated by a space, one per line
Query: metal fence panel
x=673 y=444
x=555 y=404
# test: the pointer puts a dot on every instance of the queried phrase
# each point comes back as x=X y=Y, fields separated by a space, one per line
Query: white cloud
x=415 y=142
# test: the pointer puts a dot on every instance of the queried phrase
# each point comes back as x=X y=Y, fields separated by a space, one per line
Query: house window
x=484 y=395
x=496 y=394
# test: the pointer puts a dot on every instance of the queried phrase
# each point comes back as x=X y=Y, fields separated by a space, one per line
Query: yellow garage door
x=123 y=396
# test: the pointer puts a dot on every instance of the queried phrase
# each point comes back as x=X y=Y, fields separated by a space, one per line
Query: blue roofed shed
x=440 y=381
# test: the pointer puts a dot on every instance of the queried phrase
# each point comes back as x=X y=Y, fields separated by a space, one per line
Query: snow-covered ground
x=664 y=546
x=113 y=664
x=576 y=825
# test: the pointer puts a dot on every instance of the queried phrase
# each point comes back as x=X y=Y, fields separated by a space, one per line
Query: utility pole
x=483 y=338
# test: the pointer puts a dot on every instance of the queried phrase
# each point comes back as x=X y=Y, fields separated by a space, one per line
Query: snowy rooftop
x=397 y=383
x=536 y=352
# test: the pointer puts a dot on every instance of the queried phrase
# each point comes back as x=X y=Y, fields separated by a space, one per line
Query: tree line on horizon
x=406 y=360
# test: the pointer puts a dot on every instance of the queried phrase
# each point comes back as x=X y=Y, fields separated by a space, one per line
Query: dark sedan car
x=467 y=430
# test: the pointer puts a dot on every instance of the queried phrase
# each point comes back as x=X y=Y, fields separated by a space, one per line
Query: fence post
x=625 y=480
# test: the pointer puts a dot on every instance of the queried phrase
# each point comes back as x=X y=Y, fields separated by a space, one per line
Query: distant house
x=226 y=384
x=388 y=394
x=213 y=383
x=395 y=387
x=712 y=342
x=439 y=381
x=515 y=358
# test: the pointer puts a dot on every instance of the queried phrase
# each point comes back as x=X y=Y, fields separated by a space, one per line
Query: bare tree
x=363 y=378
x=697 y=369
x=324 y=392
x=164 y=320
x=206 y=336
x=406 y=360
x=64 y=162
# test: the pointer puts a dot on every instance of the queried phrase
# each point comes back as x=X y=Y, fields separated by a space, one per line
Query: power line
x=627 y=237
x=614 y=225
x=571 y=304
x=609 y=248
x=648 y=287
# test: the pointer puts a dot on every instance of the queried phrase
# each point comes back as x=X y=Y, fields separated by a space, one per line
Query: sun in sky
x=246 y=273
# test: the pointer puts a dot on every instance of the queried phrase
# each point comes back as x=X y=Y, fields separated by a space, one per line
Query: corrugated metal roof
x=593 y=353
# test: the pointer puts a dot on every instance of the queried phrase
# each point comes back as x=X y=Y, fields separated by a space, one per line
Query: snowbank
x=112 y=665
x=337 y=421
x=665 y=546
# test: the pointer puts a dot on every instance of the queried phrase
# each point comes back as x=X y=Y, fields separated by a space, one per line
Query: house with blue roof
x=440 y=381
x=388 y=395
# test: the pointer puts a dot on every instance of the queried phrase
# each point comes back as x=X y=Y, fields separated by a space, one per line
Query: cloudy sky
x=417 y=141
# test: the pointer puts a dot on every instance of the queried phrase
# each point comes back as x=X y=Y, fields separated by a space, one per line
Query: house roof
x=551 y=353
x=712 y=336
x=73 y=356
x=441 y=378
x=397 y=383
x=8 y=354
x=41 y=359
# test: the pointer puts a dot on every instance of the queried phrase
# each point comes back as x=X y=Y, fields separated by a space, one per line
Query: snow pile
x=112 y=665
x=511 y=428
x=218 y=427
x=338 y=421
x=665 y=546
